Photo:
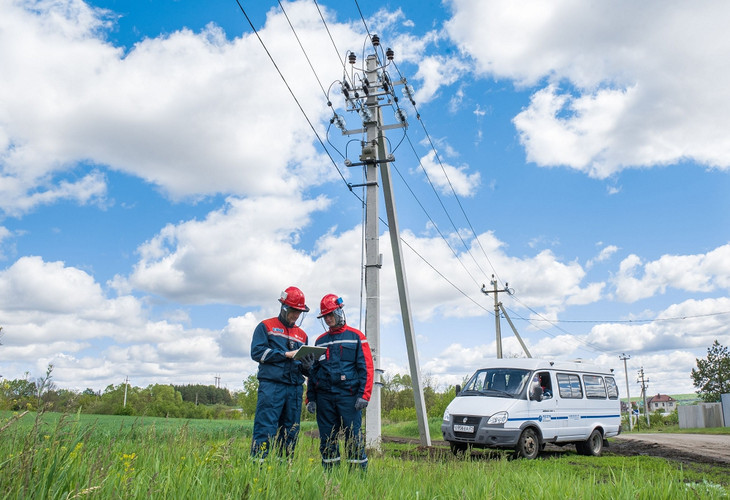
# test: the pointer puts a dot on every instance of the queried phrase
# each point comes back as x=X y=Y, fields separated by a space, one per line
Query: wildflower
x=76 y=450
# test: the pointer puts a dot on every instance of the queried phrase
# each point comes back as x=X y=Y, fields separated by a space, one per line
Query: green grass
x=87 y=456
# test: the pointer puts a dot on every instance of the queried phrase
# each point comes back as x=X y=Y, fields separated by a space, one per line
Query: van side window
x=612 y=388
x=595 y=388
x=569 y=386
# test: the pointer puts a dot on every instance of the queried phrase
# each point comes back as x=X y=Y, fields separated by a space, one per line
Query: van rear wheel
x=593 y=446
x=528 y=446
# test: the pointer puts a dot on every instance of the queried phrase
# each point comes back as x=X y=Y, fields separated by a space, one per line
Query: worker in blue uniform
x=340 y=386
x=279 y=406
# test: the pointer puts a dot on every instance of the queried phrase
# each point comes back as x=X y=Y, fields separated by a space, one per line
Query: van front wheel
x=593 y=446
x=528 y=446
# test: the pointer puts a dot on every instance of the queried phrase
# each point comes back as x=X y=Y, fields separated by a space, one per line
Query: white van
x=524 y=403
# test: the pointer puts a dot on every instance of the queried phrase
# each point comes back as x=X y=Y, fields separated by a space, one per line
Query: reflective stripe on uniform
x=335 y=342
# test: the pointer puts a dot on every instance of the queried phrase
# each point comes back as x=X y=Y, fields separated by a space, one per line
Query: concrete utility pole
x=374 y=154
x=624 y=357
x=644 y=385
x=126 y=383
x=497 y=308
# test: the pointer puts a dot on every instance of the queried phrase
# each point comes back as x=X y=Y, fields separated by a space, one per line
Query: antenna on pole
x=498 y=307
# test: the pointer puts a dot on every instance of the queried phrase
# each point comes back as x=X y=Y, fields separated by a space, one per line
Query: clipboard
x=309 y=349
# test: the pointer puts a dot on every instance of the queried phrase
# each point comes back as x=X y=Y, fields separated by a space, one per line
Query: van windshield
x=501 y=382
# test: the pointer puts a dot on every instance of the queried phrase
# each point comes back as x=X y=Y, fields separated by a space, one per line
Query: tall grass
x=64 y=457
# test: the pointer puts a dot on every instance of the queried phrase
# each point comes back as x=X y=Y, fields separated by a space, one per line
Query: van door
x=572 y=406
x=545 y=411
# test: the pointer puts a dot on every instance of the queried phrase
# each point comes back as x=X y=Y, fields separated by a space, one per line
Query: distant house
x=662 y=402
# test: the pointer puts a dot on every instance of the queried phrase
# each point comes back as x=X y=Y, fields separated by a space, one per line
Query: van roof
x=547 y=364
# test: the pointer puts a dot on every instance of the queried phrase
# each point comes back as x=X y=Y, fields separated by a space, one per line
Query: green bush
x=401 y=415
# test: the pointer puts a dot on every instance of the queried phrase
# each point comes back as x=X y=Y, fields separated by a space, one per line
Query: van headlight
x=498 y=418
x=447 y=416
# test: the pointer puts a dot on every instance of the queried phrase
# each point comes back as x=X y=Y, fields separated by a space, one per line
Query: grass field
x=94 y=456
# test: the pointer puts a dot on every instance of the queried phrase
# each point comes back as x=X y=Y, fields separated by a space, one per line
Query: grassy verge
x=85 y=456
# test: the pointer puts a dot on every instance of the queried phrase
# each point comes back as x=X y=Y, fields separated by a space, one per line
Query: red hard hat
x=329 y=303
x=294 y=298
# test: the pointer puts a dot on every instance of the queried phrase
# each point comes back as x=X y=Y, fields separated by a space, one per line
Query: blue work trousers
x=335 y=413
x=278 y=410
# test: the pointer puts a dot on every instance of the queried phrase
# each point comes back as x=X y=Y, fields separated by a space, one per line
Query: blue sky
x=160 y=185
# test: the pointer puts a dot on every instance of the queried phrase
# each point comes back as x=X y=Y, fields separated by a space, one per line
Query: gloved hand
x=360 y=404
x=311 y=407
x=307 y=362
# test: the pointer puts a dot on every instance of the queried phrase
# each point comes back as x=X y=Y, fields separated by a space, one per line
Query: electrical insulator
x=376 y=40
x=401 y=115
x=339 y=122
x=345 y=91
x=365 y=114
x=389 y=53
x=408 y=91
x=351 y=58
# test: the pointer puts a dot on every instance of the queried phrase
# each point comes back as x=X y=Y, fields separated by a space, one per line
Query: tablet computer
x=310 y=349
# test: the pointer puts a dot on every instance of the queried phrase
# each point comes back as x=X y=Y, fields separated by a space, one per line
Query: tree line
x=194 y=401
x=711 y=378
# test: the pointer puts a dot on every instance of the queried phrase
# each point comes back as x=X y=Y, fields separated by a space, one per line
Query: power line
x=542 y=318
x=456 y=196
x=629 y=321
x=303 y=51
x=291 y=91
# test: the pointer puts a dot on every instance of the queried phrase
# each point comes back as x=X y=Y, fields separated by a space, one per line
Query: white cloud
x=445 y=176
x=247 y=250
x=67 y=95
x=604 y=255
x=689 y=324
x=641 y=83
x=694 y=273
x=55 y=314
x=235 y=339
x=435 y=72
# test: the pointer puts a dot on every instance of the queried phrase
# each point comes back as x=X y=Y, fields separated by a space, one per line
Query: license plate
x=463 y=428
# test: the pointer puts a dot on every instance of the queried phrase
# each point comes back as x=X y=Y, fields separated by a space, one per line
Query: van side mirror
x=536 y=393
x=457 y=389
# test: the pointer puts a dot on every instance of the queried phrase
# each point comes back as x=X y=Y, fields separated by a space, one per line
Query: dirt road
x=683 y=447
